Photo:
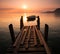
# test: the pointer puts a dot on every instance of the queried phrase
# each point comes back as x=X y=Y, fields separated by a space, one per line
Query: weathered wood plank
x=34 y=49
x=18 y=38
x=45 y=44
x=28 y=37
x=30 y=53
x=43 y=41
x=17 y=42
x=35 y=41
x=24 y=36
x=38 y=35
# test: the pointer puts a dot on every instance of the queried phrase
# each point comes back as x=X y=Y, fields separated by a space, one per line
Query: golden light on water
x=25 y=19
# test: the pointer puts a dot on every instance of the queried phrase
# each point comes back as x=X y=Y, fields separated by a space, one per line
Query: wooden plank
x=43 y=41
x=45 y=44
x=19 y=37
x=23 y=38
x=28 y=37
x=35 y=40
x=33 y=49
x=40 y=49
x=30 y=53
x=38 y=35
x=17 y=42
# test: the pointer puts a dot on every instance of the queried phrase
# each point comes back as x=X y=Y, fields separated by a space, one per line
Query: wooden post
x=46 y=32
x=12 y=33
x=21 y=22
x=38 y=22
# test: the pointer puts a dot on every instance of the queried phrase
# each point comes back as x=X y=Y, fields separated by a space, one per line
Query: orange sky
x=31 y=4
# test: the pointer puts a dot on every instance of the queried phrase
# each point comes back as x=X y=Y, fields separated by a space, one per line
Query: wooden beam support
x=21 y=22
x=12 y=33
x=46 y=32
x=38 y=22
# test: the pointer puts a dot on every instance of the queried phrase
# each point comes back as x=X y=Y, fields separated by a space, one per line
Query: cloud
x=6 y=8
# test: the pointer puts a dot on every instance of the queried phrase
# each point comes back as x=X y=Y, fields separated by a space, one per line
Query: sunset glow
x=24 y=6
x=31 y=5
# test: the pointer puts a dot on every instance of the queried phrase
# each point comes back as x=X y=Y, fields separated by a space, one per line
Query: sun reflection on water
x=25 y=19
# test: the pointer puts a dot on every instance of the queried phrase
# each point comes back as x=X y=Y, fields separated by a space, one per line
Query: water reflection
x=52 y=20
x=25 y=19
x=57 y=15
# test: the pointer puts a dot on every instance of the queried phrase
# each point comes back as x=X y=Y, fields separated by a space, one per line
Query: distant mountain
x=55 y=11
x=49 y=12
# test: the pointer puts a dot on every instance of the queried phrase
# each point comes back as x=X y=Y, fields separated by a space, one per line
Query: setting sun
x=24 y=6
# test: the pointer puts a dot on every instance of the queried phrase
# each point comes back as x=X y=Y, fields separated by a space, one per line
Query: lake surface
x=52 y=20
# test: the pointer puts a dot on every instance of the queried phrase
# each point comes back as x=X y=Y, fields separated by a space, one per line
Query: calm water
x=52 y=20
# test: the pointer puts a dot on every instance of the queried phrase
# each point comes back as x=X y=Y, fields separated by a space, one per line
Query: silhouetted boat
x=31 y=18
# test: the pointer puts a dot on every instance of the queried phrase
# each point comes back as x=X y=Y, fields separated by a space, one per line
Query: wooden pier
x=29 y=40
